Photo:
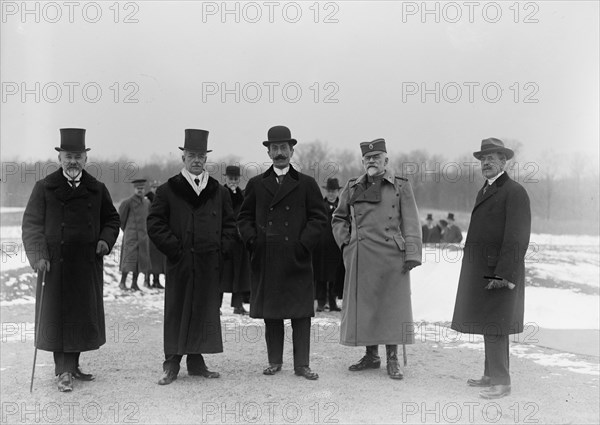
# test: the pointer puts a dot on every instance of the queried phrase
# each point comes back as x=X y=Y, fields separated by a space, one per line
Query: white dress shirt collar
x=191 y=177
x=69 y=179
x=493 y=179
x=281 y=171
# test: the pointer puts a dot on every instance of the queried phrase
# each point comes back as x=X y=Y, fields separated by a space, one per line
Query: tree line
x=563 y=191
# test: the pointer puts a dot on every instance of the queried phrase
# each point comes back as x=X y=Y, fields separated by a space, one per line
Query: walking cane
x=404 y=354
x=37 y=326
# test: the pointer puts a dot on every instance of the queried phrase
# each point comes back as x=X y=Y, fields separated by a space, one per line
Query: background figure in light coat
x=135 y=248
x=377 y=226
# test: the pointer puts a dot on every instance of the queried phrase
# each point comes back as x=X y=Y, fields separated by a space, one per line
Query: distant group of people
x=445 y=231
x=282 y=228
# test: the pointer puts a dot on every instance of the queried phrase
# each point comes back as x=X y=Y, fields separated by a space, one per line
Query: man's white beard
x=371 y=171
x=73 y=172
x=233 y=187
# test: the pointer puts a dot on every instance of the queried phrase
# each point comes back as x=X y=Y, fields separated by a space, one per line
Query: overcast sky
x=356 y=74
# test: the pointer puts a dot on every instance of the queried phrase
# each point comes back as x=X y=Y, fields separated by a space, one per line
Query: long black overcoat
x=327 y=255
x=192 y=231
x=63 y=225
x=496 y=244
x=280 y=225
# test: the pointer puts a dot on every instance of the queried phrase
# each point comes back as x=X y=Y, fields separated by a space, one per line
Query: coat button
x=287 y=207
x=393 y=206
x=286 y=238
x=90 y=205
x=270 y=223
x=62 y=242
x=360 y=238
x=271 y=209
x=62 y=224
x=387 y=228
x=214 y=213
x=285 y=224
x=191 y=249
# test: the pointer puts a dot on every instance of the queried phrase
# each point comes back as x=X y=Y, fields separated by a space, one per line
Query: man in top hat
x=491 y=288
x=69 y=225
x=280 y=222
x=135 y=250
x=236 y=267
x=158 y=261
x=430 y=232
x=191 y=222
x=377 y=227
x=453 y=233
x=327 y=257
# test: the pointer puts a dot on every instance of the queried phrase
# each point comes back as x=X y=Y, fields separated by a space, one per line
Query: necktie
x=73 y=183
x=280 y=178
x=486 y=187
x=197 y=181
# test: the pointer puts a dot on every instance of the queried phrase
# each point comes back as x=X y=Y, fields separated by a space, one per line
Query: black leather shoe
x=204 y=372
x=495 y=391
x=334 y=308
x=393 y=369
x=306 y=372
x=272 y=369
x=65 y=382
x=78 y=374
x=157 y=285
x=167 y=377
x=485 y=381
x=366 y=362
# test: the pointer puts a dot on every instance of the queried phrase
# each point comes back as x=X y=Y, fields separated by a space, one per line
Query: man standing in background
x=158 y=261
x=69 y=225
x=135 y=249
x=236 y=267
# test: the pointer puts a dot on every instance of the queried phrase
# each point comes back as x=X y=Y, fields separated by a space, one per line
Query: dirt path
x=128 y=366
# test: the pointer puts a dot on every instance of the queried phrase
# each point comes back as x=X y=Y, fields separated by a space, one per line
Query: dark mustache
x=281 y=157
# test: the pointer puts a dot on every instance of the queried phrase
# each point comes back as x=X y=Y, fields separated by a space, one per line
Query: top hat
x=332 y=184
x=377 y=145
x=492 y=145
x=450 y=216
x=429 y=217
x=195 y=141
x=139 y=182
x=232 y=170
x=72 y=140
x=279 y=134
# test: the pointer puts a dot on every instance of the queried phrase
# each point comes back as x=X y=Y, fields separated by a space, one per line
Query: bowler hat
x=492 y=145
x=279 y=134
x=450 y=216
x=195 y=140
x=72 y=140
x=232 y=170
x=377 y=145
x=332 y=184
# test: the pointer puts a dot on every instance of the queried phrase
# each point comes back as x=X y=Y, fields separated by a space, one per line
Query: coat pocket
x=399 y=239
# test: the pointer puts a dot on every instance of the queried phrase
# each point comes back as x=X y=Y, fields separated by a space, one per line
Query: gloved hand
x=497 y=284
x=409 y=265
x=42 y=265
x=101 y=248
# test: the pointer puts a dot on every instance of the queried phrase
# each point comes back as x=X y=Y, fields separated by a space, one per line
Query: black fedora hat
x=195 y=141
x=72 y=140
x=232 y=170
x=279 y=134
x=492 y=145
x=332 y=184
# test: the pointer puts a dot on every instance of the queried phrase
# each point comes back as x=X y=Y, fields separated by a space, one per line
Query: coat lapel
x=290 y=182
x=270 y=181
x=64 y=191
x=492 y=190
x=180 y=186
